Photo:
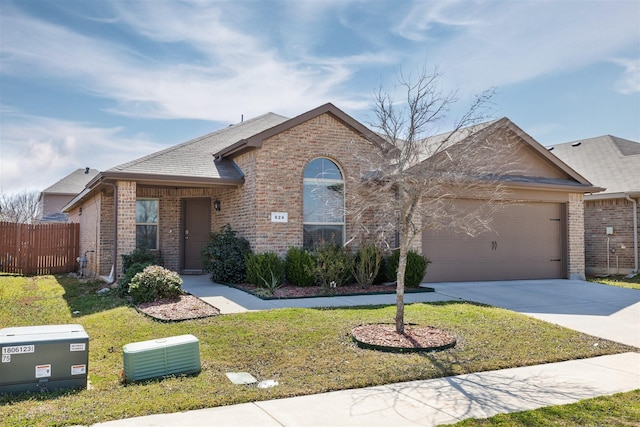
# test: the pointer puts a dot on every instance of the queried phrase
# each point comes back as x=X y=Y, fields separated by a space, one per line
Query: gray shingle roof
x=194 y=158
x=606 y=161
x=72 y=183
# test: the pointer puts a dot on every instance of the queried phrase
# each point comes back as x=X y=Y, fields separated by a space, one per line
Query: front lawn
x=305 y=350
x=618 y=280
x=621 y=409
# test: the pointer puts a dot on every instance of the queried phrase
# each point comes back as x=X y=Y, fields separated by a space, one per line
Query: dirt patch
x=185 y=307
x=415 y=338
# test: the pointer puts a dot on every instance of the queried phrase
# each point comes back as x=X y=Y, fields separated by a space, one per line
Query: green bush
x=366 y=264
x=140 y=256
x=123 y=284
x=333 y=266
x=300 y=267
x=265 y=270
x=155 y=282
x=224 y=255
x=415 y=271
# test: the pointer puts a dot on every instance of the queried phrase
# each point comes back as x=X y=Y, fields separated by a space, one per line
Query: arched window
x=323 y=188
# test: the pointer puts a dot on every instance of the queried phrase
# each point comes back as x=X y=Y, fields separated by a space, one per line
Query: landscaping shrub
x=140 y=256
x=133 y=264
x=415 y=271
x=155 y=282
x=366 y=264
x=333 y=266
x=224 y=255
x=300 y=267
x=123 y=284
x=265 y=270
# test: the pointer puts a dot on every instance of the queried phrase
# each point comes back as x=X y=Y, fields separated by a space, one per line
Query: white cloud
x=38 y=151
x=629 y=83
x=488 y=44
x=234 y=72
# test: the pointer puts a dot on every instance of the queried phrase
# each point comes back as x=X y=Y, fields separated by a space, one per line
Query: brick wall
x=278 y=185
x=575 y=237
x=599 y=214
x=126 y=232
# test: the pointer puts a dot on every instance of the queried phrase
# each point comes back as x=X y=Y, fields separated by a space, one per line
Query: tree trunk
x=402 y=267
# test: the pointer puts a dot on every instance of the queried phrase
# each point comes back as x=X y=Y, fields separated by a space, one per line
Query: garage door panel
x=526 y=243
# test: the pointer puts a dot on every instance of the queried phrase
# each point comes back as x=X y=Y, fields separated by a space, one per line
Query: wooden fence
x=32 y=249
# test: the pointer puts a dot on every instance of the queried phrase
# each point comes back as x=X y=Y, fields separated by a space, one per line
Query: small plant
x=140 y=256
x=224 y=256
x=265 y=270
x=414 y=272
x=366 y=264
x=333 y=266
x=133 y=264
x=155 y=282
x=123 y=283
x=300 y=267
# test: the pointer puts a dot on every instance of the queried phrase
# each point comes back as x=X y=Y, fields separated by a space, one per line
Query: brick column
x=575 y=232
x=126 y=220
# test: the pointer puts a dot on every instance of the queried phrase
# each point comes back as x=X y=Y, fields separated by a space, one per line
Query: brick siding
x=575 y=237
x=599 y=214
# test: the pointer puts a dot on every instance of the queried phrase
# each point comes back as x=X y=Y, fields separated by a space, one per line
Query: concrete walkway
x=604 y=311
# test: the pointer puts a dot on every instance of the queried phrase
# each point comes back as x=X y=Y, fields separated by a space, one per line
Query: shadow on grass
x=39 y=396
x=82 y=297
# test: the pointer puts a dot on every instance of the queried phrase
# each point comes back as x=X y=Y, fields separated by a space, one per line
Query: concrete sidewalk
x=424 y=403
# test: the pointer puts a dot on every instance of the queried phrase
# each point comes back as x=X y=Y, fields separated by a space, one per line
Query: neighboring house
x=263 y=177
x=54 y=198
x=611 y=217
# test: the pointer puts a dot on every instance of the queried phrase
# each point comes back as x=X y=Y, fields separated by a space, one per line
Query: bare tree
x=416 y=177
x=20 y=207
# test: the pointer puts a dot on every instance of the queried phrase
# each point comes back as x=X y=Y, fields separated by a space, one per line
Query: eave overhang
x=156 y=180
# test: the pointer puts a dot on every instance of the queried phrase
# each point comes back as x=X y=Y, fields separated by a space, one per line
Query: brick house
x=611 y=216
x=274 y=181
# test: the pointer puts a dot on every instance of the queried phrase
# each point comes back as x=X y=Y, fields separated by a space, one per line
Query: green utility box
x=161 y=357
x=43 y=358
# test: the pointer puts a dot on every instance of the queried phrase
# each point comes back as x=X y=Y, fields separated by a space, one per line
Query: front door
x=197 y=227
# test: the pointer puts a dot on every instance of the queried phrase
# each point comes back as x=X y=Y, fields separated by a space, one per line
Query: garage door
x=527 y=243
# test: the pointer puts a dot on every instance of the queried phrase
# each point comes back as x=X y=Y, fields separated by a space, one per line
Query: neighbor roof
x=606 y=161
x=73 y=183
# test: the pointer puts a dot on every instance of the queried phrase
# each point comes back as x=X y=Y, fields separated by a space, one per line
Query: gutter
x=635 y=231
x=114 y=268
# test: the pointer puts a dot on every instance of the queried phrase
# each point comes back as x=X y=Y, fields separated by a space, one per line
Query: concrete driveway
x=604 y=311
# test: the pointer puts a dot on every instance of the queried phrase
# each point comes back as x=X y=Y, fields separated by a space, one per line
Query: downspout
x=635 y=232
x=114 y=268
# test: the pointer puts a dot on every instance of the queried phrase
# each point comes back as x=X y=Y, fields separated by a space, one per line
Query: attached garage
x=527 y=241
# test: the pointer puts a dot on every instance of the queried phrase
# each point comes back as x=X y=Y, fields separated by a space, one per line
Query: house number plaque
x=279 y=217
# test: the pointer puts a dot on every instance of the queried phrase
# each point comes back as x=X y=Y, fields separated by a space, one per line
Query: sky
x=99 y=83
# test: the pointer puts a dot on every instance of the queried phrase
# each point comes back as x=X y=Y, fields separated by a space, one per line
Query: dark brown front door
x=197 y=227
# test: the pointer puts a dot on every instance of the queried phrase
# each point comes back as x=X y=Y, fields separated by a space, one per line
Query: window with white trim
x=147 y=224
x=323 y=204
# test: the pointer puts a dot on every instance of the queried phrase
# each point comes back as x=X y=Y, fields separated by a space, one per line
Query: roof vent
x=86 y=170
x=550 y=148
x=576 y=144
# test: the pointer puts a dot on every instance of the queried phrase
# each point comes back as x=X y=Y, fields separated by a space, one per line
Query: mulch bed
x=415 y=338
x=185 y=307
x=289 y=291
